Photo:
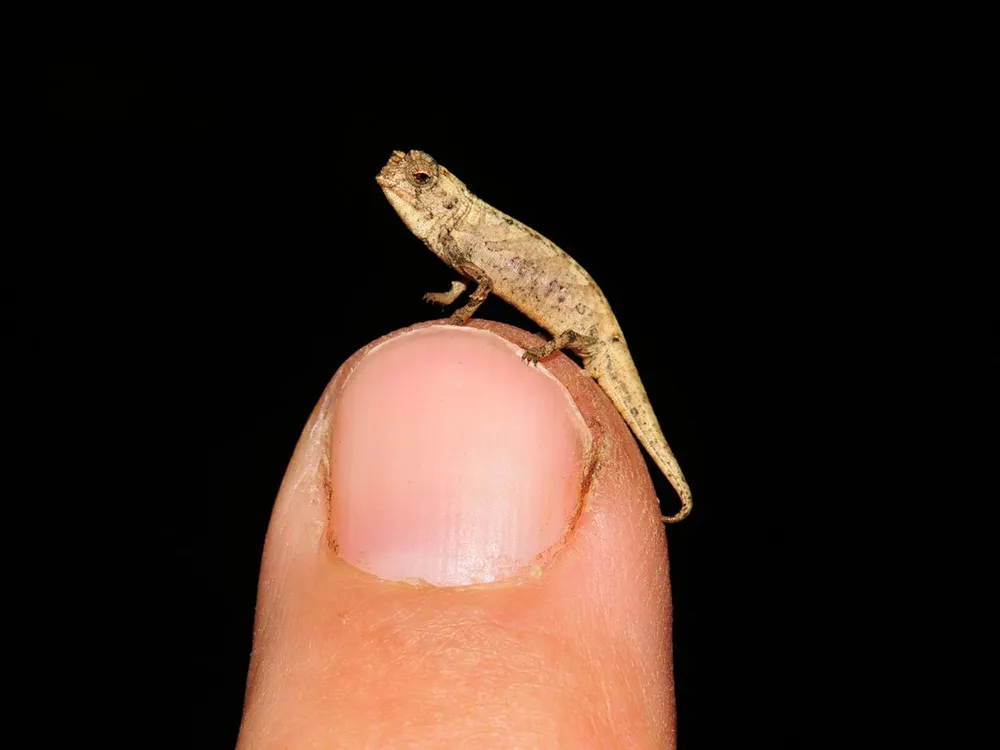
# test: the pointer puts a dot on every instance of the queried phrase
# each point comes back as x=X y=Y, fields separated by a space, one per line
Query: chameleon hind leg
x=578 y=342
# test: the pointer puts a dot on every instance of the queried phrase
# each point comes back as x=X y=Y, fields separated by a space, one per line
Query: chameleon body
x=505 y=257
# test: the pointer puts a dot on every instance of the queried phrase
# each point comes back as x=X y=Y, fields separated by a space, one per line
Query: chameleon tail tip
x=680 y=515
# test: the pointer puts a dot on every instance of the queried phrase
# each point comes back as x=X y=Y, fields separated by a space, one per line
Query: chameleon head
x=423 y=192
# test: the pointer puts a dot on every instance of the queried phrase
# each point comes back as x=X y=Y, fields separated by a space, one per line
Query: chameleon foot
x=443 y=299
x=533 y=356
x=536 y=354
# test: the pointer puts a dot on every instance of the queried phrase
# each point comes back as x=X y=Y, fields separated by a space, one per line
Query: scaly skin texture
x=503 y=256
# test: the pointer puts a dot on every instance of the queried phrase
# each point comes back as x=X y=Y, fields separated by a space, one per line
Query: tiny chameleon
x=519 y=265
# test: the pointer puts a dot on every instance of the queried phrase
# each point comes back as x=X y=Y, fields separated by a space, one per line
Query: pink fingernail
x=452 y=461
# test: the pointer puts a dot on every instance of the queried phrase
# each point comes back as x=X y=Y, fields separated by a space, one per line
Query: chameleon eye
x=422 y=170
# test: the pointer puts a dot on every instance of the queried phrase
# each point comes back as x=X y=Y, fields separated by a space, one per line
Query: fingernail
x=452 y=460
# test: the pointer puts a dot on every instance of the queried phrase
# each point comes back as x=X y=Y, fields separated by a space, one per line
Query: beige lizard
x=503 y=256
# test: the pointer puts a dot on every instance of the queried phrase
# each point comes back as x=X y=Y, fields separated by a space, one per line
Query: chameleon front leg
x=580 y=343
x=446 y=298
x=484 y=285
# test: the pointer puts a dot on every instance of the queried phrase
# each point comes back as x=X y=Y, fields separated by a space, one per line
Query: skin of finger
x=574 y=652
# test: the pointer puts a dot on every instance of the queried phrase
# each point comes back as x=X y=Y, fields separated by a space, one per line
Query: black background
x=224 y=247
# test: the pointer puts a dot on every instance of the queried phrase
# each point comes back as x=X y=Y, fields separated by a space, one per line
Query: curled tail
x=638 y=414
x=664 y=458
x=686 y=503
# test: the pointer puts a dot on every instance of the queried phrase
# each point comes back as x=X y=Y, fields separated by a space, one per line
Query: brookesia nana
x=503 y=256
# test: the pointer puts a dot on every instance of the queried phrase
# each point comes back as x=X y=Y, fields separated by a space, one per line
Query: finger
x=465 y=552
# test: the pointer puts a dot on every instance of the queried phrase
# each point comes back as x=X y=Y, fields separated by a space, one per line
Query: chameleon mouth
x=389 y=174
